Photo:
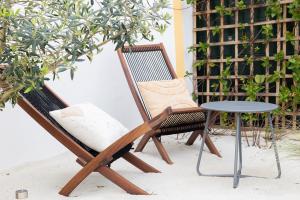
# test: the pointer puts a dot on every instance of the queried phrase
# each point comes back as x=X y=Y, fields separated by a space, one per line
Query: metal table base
x=237 y=172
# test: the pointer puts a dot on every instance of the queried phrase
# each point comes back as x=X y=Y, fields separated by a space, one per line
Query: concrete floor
x=179 y=181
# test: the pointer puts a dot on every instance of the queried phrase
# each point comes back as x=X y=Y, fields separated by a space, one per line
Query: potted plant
x=40 y=37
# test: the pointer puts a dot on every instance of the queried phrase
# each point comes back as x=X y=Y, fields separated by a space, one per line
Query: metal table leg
x=238 y=158
x=205 y=132
x=274 y=145
x=238 y=152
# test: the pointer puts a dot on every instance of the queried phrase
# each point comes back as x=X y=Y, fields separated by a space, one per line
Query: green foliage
x=294 y=9
x=251 y=88
x=289 y=94
x=279 y=56
x=284 y=94
x=274 y=77
x=274 y=9
x=244 y=40
x=267 y=31
x=290 y=37
x=190 y=1
x=199 y=64
x=223 y=11
x=256 y=49
x=216 y=30
x=192 y=49
x=266 y=62
x=223 y=78
x=41 y=37
x=241 y=5
x=248 y=59
x=228 y=61
x=188 y=74
x=260 y=78
x=203 y=48
x=194 y=96
x=294 y=65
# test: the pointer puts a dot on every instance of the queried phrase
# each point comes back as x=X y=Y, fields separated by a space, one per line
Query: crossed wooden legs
x=162 y=151
x=113 y=176
x=195 y=134
x=193 y=138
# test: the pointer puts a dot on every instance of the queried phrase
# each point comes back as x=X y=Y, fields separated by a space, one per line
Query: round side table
x=238 y=107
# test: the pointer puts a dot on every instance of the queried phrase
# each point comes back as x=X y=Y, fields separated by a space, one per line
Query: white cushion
x=158 y=95
x=90 y=125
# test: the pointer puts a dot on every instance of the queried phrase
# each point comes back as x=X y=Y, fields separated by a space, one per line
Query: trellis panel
x=228 y=42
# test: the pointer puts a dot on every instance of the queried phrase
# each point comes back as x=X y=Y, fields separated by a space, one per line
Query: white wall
x=188 y=40
x=101 y=82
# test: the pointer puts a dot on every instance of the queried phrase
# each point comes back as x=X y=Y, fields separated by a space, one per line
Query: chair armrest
x=122 y=142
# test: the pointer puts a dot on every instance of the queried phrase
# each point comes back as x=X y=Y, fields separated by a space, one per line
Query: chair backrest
x=38 y=104
x=142 y=63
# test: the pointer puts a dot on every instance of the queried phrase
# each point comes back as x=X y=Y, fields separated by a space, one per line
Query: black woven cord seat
x=179 y=129
x=182 y=123
x=45 y=101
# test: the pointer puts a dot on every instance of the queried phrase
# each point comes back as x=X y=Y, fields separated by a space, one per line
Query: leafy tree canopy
x=38 y=37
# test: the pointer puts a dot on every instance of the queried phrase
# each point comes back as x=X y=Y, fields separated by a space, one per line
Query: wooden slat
x=247 y=25
x=297 y=51
x=208 y=49
x=241 y=42
x=233 y=77
x=249 y=6
x=284 y=53
x=221 y=51
x=236 y=52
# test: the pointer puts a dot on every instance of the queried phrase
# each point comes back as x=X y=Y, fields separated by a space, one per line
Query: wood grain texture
x=162 y=151
x=139 y=163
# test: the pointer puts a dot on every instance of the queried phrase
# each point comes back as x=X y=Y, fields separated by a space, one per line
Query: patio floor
x=179 y=181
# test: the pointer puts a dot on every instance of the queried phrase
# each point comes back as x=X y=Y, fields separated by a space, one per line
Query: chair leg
x=88 y=168
x=121 y=181
x=162 y=151
x=73 y=183
x=112 y=176
x=139 y=163
x=211 y=146
x=192 y=138
x=142 y=143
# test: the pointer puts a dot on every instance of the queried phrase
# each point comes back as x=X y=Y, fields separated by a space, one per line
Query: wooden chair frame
x=97 y=163
x=143 y=112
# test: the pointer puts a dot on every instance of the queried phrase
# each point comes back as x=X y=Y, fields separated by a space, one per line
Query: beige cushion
x=158 y=95
x=90 y=125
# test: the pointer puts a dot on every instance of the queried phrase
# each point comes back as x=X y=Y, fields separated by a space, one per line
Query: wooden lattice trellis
x=228 y=42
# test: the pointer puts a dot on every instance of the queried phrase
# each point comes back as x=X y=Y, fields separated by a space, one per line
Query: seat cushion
x=90 y=125
x=158 y=95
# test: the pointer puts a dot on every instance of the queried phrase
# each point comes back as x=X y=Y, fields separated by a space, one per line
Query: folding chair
x=38 y=103
x=143 y=63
